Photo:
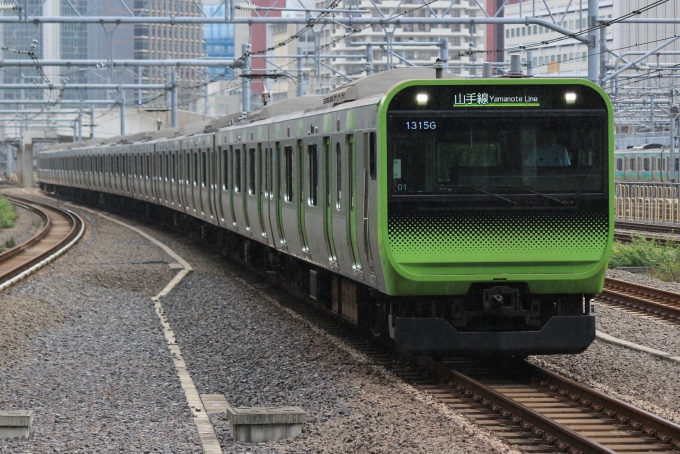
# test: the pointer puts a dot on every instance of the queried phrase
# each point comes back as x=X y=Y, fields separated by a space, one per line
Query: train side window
x=288 y=156
x=338 y=176
x=225 y=169
x=313 y=154
x=204 y=167
x=237 y=170
x=195 y=168
x=251 y=171
x=619 y=165
x=373 y=158
x=173 y=167
x=645 y=164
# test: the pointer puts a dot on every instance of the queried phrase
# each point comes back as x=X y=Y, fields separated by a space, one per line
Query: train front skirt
x=434 y=336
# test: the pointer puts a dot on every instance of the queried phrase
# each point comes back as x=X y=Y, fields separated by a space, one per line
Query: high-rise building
x=351 y=60
x=560 y=57
x=168 y=41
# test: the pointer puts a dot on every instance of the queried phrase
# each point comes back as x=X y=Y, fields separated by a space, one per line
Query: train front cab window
x=473 y=154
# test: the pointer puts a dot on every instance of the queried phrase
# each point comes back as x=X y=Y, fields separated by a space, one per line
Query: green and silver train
x=452 y=215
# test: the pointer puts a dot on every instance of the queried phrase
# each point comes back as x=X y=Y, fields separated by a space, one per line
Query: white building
x=565 y=57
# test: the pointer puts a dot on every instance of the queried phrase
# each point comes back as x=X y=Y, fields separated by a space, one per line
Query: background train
x=645 y=163
x=414 y=207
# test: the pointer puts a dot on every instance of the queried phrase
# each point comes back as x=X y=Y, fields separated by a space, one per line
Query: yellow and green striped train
x=450 y=214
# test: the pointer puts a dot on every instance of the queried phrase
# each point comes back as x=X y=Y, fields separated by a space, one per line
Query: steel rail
x=59 y=231
x=653 y=300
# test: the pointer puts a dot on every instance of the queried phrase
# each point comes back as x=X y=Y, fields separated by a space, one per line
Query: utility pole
x=671 y=151
x=369 y=59
x=593 y=9
x=245 y=90
x=174 y=98
x=300 y=76
x=122 y=112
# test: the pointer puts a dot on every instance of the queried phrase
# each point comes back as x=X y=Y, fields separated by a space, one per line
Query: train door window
x=237 y=170
x=288 y=175
x=664 y=164
x=619 y=164
x=373 y=158
x=338 y=176
x=173 y=167
x=251 y=171
x=677 y=164
x=148 y=166
x=631 y=163
x=204 y=168
x=260 y=162
x=350 y=170
x=313 y=155
x=225 y=169
x=658 y=163
x=195 y=172
x=645 y=164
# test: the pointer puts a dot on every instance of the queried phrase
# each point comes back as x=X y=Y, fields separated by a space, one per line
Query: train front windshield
x=533 y=139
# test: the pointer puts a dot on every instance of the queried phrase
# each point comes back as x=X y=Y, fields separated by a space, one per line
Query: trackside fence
x=652 y=202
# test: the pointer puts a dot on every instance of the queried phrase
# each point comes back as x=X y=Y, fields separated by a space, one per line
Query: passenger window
x=225 y=169
x=288 y=189
x=237 y=170
x=204 y=166
x=313 y=155
x=338 y=176
x=618 y=164
x=251 y=171
x=195 y=169
x=373 y=163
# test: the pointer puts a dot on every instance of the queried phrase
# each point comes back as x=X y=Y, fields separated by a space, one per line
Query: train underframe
x=491 y=319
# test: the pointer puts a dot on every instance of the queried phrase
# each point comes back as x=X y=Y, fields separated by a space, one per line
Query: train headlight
x=570 y=97
x=421 y=99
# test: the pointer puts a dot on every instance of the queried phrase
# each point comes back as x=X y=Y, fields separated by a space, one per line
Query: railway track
x=661 y=233
x=652 y=301
x=60 y=229
x=534 y=409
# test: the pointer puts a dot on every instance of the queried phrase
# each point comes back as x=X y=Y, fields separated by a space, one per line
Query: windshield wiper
x=580 y=185
x=561 y=202
x=485 y=192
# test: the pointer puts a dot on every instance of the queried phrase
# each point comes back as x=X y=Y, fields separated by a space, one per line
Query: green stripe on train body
x=445 y=254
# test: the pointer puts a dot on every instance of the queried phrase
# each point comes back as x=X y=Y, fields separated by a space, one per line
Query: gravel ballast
x=635 y=377
x=94 y=366
x=25 y=226
x=81 y=345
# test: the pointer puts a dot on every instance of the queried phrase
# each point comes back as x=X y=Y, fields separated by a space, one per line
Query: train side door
x=340 y=206
x=328 y=200
x=273 y=238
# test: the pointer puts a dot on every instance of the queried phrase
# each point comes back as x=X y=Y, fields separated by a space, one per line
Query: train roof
x=379 y=83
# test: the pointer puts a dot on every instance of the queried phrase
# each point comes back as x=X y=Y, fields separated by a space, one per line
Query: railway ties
x=532 y=409
x=60 y=230
x=655 y=302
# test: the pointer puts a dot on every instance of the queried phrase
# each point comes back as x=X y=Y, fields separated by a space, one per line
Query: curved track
x=61 y=228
